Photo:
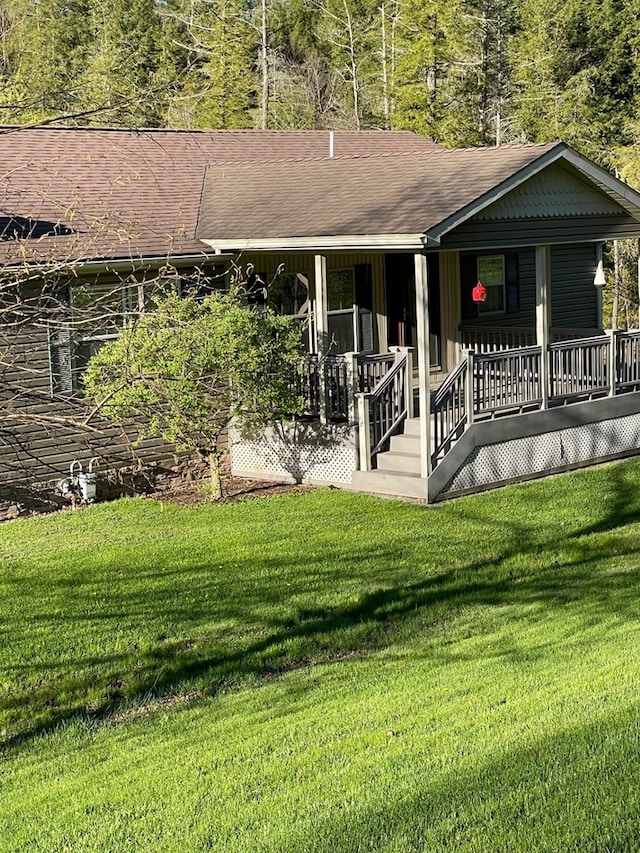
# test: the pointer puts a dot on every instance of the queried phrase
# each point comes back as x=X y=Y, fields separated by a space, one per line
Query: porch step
x=405 y=444
x=396 y=483
x=411 y=427
x=400 y=462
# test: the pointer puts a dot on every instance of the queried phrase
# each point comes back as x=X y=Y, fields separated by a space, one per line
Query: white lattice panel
x=535 y=454
x=304 y=451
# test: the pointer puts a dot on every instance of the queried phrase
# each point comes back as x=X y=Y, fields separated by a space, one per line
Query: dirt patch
x=195 y=493
x=172 y=487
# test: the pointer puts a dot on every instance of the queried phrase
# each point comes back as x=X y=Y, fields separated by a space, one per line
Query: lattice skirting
x=534 y=455
x=300 y=452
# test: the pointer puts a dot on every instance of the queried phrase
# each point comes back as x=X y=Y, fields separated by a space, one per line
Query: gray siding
x=33 y=447
x=574 y=299
x=531 y=232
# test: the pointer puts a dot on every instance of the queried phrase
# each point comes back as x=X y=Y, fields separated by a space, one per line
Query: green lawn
x=326 y=672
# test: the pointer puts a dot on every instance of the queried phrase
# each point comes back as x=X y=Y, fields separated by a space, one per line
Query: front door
x=400 y=284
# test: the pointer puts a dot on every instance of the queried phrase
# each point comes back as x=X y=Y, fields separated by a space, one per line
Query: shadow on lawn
x=529 y=568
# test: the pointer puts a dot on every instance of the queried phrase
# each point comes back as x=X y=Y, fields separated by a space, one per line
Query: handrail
x=510 y=380
x=627 y=356
x=449 y=411
x=371 y=368
x=382 y=410
x=398 y=405
x=582 y=368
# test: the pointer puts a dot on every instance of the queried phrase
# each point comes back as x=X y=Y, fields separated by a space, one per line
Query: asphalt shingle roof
x=390 y=194
x=104 y=194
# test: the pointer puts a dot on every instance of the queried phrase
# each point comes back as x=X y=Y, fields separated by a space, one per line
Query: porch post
x=322 y=319
x=322 y=330
x=424 y=364
x=543 y=316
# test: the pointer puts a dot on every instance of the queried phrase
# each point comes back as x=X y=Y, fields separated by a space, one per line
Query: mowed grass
x=326 y=672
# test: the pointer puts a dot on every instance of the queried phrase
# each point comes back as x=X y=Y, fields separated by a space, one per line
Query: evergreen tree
x=123 y=75
x=44 y=57
x=220 y=38
x=432 y=68
x=575 y=74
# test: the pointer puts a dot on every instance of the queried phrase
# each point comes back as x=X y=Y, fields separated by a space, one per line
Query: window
x=491 y=272
x=97 y=313
x=289 y=294
x=340 y=290
x=340 y=302
x=500 y=274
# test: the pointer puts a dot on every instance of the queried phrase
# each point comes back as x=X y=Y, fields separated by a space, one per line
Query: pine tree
x=124 y=78
x=44 y=57
x=220 y=39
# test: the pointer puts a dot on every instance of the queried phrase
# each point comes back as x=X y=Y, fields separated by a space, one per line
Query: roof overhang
x=116 y=265
x=320 y=243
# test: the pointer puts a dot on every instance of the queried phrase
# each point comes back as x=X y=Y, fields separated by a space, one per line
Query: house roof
x=397 y=200
x=90 y=193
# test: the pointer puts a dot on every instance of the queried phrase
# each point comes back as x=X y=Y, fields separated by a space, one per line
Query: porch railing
x=507 y=380
x=382 y=410
x=325 y=388
x=487 y=385
x=581 y=368
x=484 y=385
x=449 y=411
x=328 y=384
x=372 y=368
x=500 y=338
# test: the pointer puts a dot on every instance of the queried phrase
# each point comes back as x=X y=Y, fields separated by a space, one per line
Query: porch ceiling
x=404 y=201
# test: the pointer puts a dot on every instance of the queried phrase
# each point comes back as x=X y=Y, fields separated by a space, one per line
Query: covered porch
x=408 y=375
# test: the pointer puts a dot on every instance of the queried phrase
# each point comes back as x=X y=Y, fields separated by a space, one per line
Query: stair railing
x=449 y=409
x=382 y=411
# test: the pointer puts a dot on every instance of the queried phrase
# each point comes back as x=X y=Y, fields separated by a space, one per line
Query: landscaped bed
x=326 y=672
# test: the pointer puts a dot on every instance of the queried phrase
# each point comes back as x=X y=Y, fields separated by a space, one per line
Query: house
x=418 y=382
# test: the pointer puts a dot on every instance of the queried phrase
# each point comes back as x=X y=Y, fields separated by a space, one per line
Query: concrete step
x=394 y=483
x=403 y=463
x=412 y=426
x=405 y=443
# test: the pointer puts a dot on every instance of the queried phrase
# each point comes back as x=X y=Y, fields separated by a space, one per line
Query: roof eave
x=626 y=196
x=317 y=243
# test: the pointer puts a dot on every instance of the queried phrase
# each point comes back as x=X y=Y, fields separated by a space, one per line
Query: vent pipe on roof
x=331 y=144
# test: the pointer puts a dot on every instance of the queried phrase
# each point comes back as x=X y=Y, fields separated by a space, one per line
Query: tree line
x=463 y=72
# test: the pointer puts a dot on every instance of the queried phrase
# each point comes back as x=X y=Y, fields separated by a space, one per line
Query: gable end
x=553 y=192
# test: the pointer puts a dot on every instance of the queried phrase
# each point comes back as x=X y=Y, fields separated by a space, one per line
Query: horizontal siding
x=531 y=232
x=574 y=299
x=526 y=316
x=40 y=451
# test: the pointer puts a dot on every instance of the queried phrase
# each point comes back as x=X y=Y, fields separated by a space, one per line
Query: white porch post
x=424 y=363
x=322 y=319
x=322 y=329
x=543 y=316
